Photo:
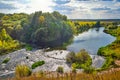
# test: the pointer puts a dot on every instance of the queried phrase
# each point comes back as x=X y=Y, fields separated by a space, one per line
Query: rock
x=117 y=62
x=51 y=62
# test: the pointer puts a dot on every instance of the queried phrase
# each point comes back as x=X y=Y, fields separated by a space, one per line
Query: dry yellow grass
x=112 y=74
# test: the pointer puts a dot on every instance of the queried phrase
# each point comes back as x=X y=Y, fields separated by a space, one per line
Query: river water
x=91 y=40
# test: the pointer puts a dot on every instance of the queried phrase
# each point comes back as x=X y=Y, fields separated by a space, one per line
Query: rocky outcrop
x=52 y=59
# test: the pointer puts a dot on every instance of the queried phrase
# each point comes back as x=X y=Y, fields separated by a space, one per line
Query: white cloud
x=32 y=6
x=117 y=4
x=37 y=5
x=73 y=9
x=84 y=9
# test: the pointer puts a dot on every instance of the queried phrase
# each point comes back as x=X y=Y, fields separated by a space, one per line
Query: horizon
x=73 y=9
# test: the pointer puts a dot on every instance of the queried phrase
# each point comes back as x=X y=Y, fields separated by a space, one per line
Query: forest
x=39 y=30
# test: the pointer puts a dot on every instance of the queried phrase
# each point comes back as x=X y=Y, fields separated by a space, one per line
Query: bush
x=109 y=61
x=28 y=47
x=60 y=69
x=22 y=71
x=36 y=64
x=74 y=70
x=89 y=70
x=70 y=58
x=6 y=60
x=80 y=60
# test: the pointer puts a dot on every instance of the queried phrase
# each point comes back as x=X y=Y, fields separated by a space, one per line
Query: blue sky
x=74 y=9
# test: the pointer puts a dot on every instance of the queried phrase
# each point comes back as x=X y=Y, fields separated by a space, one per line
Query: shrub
x=109 y=61
x=6 y=60
x=89 y=70
x=74 y=70
x=28 y=47
x=60 y=69
x=70 y=58
x=80 y=60
x=76 y=65
x=36 y=64
x=22 y=71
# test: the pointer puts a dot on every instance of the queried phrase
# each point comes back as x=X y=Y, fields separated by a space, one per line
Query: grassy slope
x=112 y=74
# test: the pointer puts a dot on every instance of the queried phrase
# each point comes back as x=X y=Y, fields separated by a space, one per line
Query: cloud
x=6 y=6
x=117 y=4
x=37 y=5
x=94 y=0
x=61 y=1
x=102 y=8
x=63 y=9
x=27 y=6
x=80 y=9
x=19 y=1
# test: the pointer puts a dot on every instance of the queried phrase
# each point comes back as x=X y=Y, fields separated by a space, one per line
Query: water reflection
x=91 y=40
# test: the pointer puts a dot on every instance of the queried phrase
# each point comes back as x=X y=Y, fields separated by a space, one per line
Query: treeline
x=82 y=26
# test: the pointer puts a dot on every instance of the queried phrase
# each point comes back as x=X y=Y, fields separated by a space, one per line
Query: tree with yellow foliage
x=5 y=17
x=41 y=19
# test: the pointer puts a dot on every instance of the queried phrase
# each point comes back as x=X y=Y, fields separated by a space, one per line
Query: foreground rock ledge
x=52 y=59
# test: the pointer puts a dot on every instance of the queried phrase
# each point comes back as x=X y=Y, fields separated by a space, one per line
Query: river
x=91 y=41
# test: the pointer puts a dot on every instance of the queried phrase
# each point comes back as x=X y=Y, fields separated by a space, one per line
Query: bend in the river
x=91 y=40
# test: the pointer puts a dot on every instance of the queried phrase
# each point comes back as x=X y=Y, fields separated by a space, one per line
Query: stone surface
x=52 y=59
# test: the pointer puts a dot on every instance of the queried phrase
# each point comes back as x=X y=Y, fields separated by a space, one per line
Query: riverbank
x=111 y=52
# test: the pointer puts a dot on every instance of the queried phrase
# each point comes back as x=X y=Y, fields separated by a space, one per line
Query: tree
x=97 y=24
x=41 y=19
x=5 y=17
x=82 y=56
x=54 y=32
x=35 y=19
x=4 y=35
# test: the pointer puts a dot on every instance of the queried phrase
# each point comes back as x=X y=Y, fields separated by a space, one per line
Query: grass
x=22 y=71
x=60 y=69
x=112 y=74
